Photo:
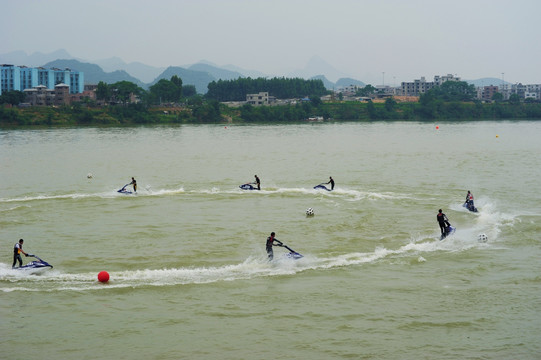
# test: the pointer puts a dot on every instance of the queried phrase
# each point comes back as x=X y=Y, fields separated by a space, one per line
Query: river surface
x=189 y=275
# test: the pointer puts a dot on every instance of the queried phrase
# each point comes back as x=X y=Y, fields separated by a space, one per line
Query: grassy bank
x=213 y=112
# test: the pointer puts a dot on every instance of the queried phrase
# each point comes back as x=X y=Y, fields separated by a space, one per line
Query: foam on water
x=252 y=267
x=102 y=195
x=346 y=194
x=488 y=220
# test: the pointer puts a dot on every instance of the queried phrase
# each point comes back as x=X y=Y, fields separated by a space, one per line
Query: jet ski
x=322 y=187
x=247 y=187
x=470 y=206
x=124 y=191
x=35 y=266
x=292 y=253
x=448 y=231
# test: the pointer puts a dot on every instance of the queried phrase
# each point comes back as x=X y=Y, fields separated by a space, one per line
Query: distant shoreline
x=119 y=116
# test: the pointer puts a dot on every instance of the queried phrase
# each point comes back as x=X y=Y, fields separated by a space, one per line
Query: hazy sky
x=370 y=40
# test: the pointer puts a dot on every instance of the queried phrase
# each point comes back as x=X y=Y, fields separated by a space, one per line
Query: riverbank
x=214 y=112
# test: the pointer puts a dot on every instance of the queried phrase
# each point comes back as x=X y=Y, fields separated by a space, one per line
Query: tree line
x=450 y=101
x=164 y=91
x=281 y=88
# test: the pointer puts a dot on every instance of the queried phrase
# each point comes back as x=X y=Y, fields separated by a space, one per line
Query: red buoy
x=103 y=276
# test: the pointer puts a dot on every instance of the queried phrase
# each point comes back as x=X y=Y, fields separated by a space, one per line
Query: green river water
x=189 y=276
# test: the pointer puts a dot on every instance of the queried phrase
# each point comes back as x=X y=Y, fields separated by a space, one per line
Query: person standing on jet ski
x=469 y=200
x=442 y=221
x=331 y=181
x=134 y=183
x=257 y=183
x=270 y=243
x=17 y=250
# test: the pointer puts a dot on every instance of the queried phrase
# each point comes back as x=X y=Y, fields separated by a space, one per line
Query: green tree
x=165 y=91
x=365 y=91
x=371 y=109
x=514 y=99
x=390 y=104
x=178 y=82
x=498 y=97
x=195 y=100
x=454 y=91
x=123 y=90
x=207 y=112
x=281 y=88
x=103 y=92
x=188 y=90
x=315 y=100
x=13 y=97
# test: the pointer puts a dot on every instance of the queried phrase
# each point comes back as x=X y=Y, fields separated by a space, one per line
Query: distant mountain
x=200 y=79
x=328 y=84
x=343 y=82
x=254 y=74
x=93 y=73
x=21 y=58
x=143 y=72
x=486 y=82
x=316 y=66
x=216 y=72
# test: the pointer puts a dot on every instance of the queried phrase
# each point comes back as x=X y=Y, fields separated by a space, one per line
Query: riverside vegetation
x=169 y=101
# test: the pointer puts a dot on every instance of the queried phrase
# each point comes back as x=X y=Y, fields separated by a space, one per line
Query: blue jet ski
x=292 y=253
x=448 y=231
x=247 y=187
x=322 y=187
x=124 y=191
x=470 y=206
x=35 y=266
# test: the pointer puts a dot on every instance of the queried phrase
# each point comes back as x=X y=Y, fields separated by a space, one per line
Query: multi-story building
x=438 y=80
x=261 y=98
x=488 y=92
x=21 y=77
x=529 y=91
x=46 y=77
x=42 y=96
x=29 y=77
x=532 y=95
x=420 y=86
x=10 y=78
x=39 y=96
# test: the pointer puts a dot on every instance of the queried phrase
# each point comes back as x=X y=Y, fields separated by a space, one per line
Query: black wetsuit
x=332 y=183
x=257 y=183
x=17 y=255
x=443 y=221
x=269 y=245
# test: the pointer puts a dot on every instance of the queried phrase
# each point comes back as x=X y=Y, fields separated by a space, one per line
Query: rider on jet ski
x=17 y=250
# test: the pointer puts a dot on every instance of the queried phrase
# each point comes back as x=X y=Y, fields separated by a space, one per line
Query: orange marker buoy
x=103 y=276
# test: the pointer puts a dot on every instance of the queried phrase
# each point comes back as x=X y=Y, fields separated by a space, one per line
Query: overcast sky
x=373 y=41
